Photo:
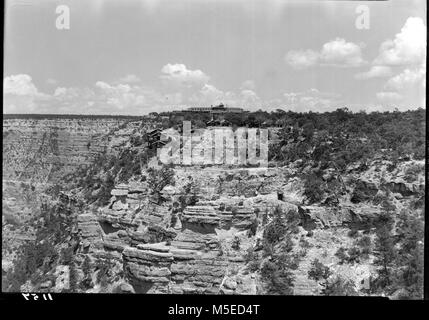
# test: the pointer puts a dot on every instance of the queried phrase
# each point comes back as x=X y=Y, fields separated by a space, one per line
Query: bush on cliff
x=160 y=178
x=314 y=188
x=339 y=286
x=276 y=229
x=236 y=242
x=252 y=260
x=318 y=271
x=400 y=258
x=336 y=286
x=36 y=258
x=277 y=275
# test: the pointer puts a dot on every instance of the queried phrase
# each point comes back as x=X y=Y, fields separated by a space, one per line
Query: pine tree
x=385 y=257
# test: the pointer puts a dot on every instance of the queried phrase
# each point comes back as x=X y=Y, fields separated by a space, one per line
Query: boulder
x=119 y=192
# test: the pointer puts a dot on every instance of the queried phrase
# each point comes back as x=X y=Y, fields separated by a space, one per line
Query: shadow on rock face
x=201 y=228
x=107 y=227
x=141 y=287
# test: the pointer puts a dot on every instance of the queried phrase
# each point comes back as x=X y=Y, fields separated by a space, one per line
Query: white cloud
x=208 y=95
x=127 y=97
x=51 y=81
x=121 y=96
x=388 y=96
x=407 y=52
x=301 y=59
x=375 y=72
x=20 y=95
x=312 y=100
x=110 y=98
x=180 y=76
x=408 y=46
x=171 y=98
x=337 y=53
x=249 y=98
x=20 y=85
x=129 y=78
x=408 y=78
x=378 y=107
x=248 y=84
x=340 y=53
x=291 y=97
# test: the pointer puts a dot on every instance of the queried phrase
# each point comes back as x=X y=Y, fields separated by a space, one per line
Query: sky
x=133 y=57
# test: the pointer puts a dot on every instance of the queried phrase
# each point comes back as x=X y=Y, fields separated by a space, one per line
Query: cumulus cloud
x=291 y=97
x=408 y=46
x=51 y=82
x=301 y=59
x=121 y=96
x=375 y=72
x=208 y=95
x=248 y=84
x=20 y=95
x=337 y=53
x=312 y=100
x=129 y=78
x=179 y=75
x=408 y=78
x=409 y=86
x=341 y=53
x=110 y=98
x=249 y=98
x=20 y=85
x=126 y=95
x=388 y=96
x=407 y=53
x=71 y=100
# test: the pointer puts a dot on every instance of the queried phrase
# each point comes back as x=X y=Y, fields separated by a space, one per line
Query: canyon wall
x=45 y=150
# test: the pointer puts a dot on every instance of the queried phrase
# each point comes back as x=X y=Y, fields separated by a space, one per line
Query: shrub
x=342 y=255
x=352 y=233
x=267 y=248
x=304 y=244
x=236 y=243
x=339 y=287
x=276 y=229
x=319 y=271
x=412 y=172
x=364 y=242
x=365 y=245
x=86 y=266
x=400 y=262
x=173 y=219
x=73 y=278
x=105 y=269
x=35 y=258
x=314 y=188
x=296 y=259
x=104 y=195
x=252 y=260
x=253 y=228
x=158 y=179
x=287 y=244
x=353 y=255
x=67 y=255
x=277 y=276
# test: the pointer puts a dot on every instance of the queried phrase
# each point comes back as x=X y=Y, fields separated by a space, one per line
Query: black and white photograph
x=214 y=147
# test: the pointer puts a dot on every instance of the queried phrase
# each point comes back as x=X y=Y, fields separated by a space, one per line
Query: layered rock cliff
x=205 y=231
